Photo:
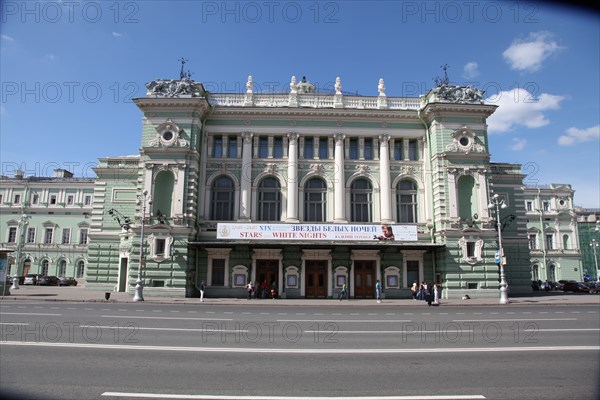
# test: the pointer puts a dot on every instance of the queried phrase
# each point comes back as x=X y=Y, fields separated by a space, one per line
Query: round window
x=561 y=202
x=464 y=141
x=168 y=135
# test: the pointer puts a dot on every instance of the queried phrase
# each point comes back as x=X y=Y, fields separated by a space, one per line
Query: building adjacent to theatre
x=293 y=190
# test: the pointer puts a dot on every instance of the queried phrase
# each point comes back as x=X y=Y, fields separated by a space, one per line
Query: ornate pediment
x=464 y=140
x=173 y=88
x=458 y=94
x=168 y=134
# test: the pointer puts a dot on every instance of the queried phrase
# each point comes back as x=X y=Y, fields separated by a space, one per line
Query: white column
x=292 y=186
x=452 y=196
x=384 y=176
x=481 y=185
x=340 y=191
x=246 y=178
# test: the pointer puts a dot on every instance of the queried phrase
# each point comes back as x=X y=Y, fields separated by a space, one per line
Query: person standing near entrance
x=343 y=293
x=378 y=291
x=202 y=289
x=249 y=288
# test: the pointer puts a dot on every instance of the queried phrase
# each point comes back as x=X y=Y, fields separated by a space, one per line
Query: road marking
x=299 y=351
x=23 y=313
x=514 y=319
x=344 y=320
x=253 y=397
x=154 y=318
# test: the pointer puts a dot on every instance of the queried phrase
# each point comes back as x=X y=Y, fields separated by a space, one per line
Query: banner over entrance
x=327 y=232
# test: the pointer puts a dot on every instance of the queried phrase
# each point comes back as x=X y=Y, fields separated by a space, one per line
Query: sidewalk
x=81 y=294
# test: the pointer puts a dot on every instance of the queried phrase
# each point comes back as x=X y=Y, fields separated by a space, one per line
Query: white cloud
x=576 y=135
x=470 y=70
x=117 y=34
x=7 y=38
x=51 y=57
x=518 y=144
x=528 y=54
x=519 y=107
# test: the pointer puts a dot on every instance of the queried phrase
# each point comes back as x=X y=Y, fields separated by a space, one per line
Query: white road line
x=344 y=320
x=300 y=351
x=24 y=313
x=514 y=319
x=154 y=318
x=253 y=397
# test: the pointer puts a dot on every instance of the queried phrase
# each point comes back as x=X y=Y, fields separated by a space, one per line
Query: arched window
x=315 y=200
x=44 y=267
x=361 y=200
x=62 y=269
x=269 y=200
x=535 y=273
x=566 y=242
x=222 y=199
x=406 y=201
x=467 y=200
x=163 y=193
x=552 y=273
x=80 y=269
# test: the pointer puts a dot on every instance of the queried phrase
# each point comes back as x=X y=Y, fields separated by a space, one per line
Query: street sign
x=497 y=256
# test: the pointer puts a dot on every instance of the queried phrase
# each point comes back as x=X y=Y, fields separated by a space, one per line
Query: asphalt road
x=114 y=351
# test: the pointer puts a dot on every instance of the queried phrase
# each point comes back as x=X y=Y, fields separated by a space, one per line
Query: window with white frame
x=45 y=265
x=323 y=148
x=160 y=246
x=413 y=150
x=53 y=199
x=368 y=151
x=546 y=205
x=406 y=201
x=48 y=233
x=472 y=249
x=30 y=235
x=309 y=148
x=218 y=272
x=80 y=269
x=218 y=260
x=533 y=241
x=12 y=234
x=83 y=236
x=398 y=149
x=232 y=146
x=217 y=147
x=353 y=149
x=315 y=200
x=269 y=200
x=263 y=147
x=87 y=200
x=529 y=206
x=361 y=200
x=35 y=199
x=278 y=147
x=17 y=199
x=549 y=241
x=222 y=193
x=70 y=200
x=66 y=236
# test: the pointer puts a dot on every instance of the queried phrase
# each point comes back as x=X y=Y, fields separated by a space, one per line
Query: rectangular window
x=532 y=242
x=546 y=205
x=35 y=199
x=323 y=148
x=368 y=149
x=53 y=199
x=30 y=235
x=160 y=245
x=549 y=242
x=529 y=206
x=399 y=149
x=232 y=147
x=217 y=147
x=278 y=147
x=413 y=153
x=17 y=199
x=470 y=249
x=353 y=149
x=66 y=236
x=263 y=147
x=0 y=199
x=218 y=272
x=48 y=235
x=83 y=237
x=87 y=200
x=309 y=148
x=70 y=200
x=12 y=234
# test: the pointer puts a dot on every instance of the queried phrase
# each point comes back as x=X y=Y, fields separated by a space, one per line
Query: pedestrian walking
x=436 y=294
x=343 y=293
x=378 y=291
x=250 y=288
x=202 y=289
x=414 y=290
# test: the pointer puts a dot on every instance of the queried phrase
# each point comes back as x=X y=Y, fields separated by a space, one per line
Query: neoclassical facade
x=306 y=191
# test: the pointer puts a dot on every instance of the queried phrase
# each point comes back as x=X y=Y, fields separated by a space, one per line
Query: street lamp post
x=594 y=246
x=498 y=203
x=144 y=200
x=22 y=224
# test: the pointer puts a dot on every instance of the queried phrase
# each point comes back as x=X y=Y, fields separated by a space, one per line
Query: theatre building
x=307 y=191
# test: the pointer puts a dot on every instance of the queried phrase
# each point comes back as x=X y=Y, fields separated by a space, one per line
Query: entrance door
x=364 y=279
x=268 y=270
x=316 y=276
x=26 y=267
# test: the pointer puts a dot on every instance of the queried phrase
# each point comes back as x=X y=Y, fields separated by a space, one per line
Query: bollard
x=107 y=296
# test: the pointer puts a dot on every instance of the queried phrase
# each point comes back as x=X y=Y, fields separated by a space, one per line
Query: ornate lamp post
x=594 y=246
x=498 y=203
x=144 y=200
x=22 y=224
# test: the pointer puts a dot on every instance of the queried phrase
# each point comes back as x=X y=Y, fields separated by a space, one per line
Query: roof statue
x=184 y=86
x=381 y=87
x=293 y=85
x=454 y=93
x=338 y=85
x=249 y=84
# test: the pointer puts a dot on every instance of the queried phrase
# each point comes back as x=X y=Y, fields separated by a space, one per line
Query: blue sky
x=70 y=68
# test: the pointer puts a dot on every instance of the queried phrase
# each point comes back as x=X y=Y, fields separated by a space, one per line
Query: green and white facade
x=312 y=163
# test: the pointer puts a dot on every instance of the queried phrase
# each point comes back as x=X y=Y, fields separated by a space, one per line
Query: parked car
x=46 y=280
x=572 y=286
x=594 y=286
x=31 y=279
x=67 y=281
